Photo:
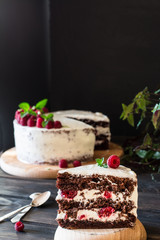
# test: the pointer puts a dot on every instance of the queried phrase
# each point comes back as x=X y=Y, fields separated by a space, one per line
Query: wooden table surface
x=40 y=222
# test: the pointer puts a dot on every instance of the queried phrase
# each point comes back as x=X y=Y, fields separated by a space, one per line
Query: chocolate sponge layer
x=66 y=181
x=124 y=207
x=85 y=224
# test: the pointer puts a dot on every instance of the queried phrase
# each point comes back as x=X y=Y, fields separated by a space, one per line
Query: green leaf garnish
x=41 y=104
x=23 y=114
x=25 y=106
x=100 y=162
x=47 y=118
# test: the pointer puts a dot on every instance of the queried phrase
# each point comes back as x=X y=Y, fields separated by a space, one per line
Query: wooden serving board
x=136 y=233
x=11 y=165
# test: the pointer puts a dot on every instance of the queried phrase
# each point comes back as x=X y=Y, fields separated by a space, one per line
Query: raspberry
x=63 y=163
x=23 y=121
x=45 y=110
x=76 y=163
x=39 y=122
x=50 y=125
x=19 y=226
x=31 y=122
x=57 y=124
x=113 y=161
x=68 y=193
x=107 y=194
x=105 y=212
x=81 y=217
x=18 y=115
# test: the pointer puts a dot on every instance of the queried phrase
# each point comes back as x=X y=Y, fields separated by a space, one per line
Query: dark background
x=88 y=55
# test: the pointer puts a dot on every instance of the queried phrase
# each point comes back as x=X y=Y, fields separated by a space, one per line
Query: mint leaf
x=105 y=165
x=49 y=116
x=100 y=161
x=23 y=114
x=44 y=123
x=31 y=112
x=25 y=106
x=41 y=104
x=44 y=116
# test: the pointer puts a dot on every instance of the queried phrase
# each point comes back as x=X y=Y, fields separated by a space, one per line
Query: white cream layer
x=89 y=170
x=74 y=141
x=78 y=114
x=93 y=215
x=85 y=195
x=97 y=116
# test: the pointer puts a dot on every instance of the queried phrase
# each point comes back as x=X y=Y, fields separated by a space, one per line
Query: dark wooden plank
x=31 y=232
x=22 y=188
x=43 y=214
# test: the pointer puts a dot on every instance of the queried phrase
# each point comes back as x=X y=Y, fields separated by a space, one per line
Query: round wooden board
x=11 y=165
x=136 y=233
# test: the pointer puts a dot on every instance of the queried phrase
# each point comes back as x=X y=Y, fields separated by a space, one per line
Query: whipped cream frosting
x=97 y=116
x=74 y=141
x=89 y=170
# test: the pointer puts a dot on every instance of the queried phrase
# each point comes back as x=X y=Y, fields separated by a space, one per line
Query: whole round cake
x=41 y=137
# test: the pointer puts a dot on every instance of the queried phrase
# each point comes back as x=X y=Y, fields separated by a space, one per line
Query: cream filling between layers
x=85 y=195
x=93 y=215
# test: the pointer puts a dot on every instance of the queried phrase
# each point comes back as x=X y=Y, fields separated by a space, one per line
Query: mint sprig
x=47 y=118
x=25 y=106
x=41 y=104
x=100 y=162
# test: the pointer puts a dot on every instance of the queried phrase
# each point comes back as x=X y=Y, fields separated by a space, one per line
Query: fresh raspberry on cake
x=31 y=122
x=63 y=163
x=23 y=121
x=57 y=124
x=113 y=161
x=45 y=110
x=76 y=163
x=18 y=115
x=39 y=122
x=50 y=125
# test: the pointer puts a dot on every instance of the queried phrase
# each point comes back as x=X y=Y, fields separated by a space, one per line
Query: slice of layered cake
x=99 y=121
x=97 y=196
